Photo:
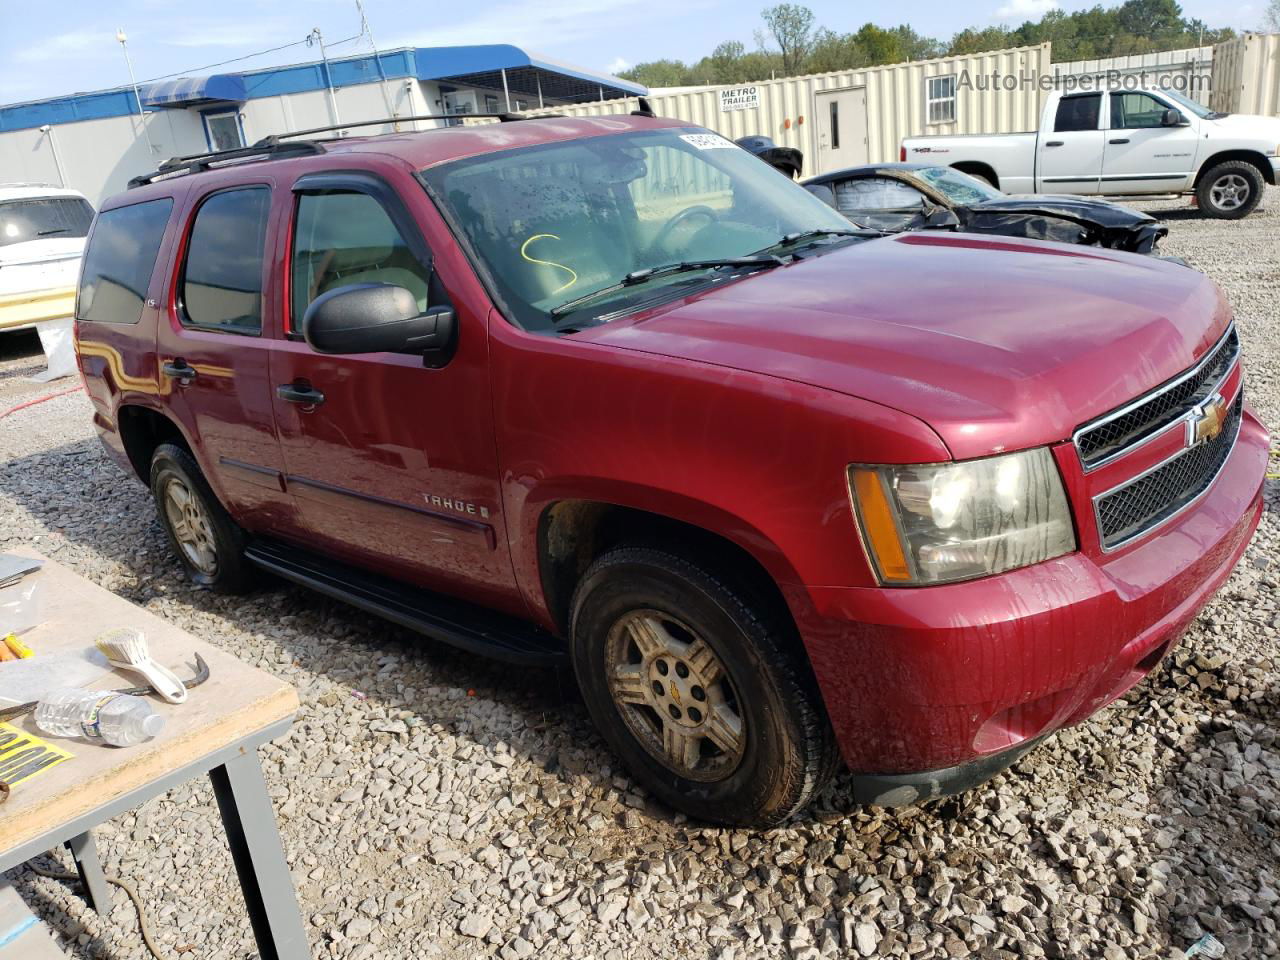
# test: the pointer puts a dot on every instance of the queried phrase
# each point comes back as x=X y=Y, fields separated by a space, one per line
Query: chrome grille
x=1152 y=498
x=1110 y=436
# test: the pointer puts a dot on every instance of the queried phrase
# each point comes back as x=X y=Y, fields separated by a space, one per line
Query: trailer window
x=940 y=99
x=1078 y=113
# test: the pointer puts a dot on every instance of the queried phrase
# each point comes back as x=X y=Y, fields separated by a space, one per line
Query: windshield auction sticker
x=23 y=756
x=707 y=141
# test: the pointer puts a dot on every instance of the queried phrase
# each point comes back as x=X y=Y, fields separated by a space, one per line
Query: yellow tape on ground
x=36 y=306
x=23 y=755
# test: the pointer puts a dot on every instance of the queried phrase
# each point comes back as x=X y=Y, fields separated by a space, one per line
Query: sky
x=65 y=46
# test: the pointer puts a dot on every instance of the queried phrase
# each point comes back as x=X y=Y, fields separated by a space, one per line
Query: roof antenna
x=644 y=110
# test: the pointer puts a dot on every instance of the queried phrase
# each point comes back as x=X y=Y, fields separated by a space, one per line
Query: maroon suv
x=610 y=389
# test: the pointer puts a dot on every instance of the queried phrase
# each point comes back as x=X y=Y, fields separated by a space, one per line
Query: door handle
x=302 y=393
x=179 y=370
x=1120 y=140
x=1054 y=143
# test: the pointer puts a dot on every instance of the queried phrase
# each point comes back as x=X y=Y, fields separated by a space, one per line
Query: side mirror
x=376 y=318
x=1172 y=118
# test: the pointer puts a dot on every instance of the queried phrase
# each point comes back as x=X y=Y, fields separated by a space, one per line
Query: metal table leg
x=85 y=855
x=250 y=822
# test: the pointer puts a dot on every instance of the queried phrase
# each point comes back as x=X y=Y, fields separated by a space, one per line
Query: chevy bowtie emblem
x=1206 y=421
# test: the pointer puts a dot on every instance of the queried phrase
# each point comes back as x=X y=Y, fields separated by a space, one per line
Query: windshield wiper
x=45 y=233
x=652 y=273
x=801 y=236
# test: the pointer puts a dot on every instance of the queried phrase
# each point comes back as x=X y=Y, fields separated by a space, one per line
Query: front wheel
x=1230 y=190
x=694 y=687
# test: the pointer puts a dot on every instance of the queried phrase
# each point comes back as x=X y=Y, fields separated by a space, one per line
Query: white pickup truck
x=1123 y=143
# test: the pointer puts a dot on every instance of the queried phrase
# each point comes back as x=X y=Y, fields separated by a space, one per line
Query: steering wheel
x=688 y=213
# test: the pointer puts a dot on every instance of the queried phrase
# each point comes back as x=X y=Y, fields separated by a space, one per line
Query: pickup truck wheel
x=688 y=682
x=1230 y=190
x=207 y=541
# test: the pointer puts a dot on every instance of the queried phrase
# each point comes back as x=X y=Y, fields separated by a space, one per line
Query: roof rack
x=501 y=117
x=199 y=162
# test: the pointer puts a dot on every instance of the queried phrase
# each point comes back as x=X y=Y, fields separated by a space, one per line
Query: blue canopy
x=192 y=91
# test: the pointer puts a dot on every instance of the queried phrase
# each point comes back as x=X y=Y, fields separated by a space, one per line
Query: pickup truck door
x=1069 y=156
x=391 y=464
x=1142 y=154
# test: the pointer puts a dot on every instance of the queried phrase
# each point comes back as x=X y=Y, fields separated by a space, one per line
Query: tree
x=791 y=27
x=1273 y=15
x=1150 y=19
x=660 y=73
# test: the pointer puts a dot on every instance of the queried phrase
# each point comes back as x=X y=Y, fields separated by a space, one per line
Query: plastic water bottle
x=115 y=718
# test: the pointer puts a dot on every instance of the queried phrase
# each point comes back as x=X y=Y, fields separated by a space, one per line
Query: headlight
x=936 y=523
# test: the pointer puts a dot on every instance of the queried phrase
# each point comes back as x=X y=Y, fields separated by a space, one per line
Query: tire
x=748 y=747
x=1230 y=190
x=209 y=544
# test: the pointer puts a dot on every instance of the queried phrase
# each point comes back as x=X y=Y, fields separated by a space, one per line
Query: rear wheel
x=697 y=690
x=1230 y=190
x=206 y=540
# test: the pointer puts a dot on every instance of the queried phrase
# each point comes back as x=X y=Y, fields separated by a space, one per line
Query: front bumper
x=931 y=678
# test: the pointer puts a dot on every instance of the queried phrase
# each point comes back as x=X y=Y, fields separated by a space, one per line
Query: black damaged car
x=894 y=197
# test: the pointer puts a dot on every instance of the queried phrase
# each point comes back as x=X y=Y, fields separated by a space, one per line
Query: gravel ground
x=436 y=805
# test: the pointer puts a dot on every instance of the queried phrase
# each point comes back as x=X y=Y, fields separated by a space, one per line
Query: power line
x=248 y=56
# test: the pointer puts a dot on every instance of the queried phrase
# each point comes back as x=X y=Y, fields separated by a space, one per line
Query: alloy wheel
x=675 y=695
x=1230 y=192
x=191 y=527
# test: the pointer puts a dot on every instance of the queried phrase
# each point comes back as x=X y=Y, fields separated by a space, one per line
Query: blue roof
x=188 y=91
x=478 y=65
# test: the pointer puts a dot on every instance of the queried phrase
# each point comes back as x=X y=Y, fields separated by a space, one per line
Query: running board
x=464 y=625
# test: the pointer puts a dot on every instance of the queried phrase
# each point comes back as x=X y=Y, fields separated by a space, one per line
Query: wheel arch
x=573 y=531
x=1252 y=157
x=142 y=430
x=977 y=168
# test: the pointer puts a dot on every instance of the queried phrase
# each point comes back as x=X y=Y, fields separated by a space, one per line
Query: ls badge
x=1206 y=421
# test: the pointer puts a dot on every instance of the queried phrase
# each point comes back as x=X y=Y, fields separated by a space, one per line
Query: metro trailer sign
x=739 y=98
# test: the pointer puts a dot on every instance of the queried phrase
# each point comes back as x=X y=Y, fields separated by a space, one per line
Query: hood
x=998 y=344
x=1100 y=212
x=1250 y=125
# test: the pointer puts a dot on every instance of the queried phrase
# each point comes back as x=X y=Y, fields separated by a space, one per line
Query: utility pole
x=316 y=38
x=133 y=81
x=377 y=59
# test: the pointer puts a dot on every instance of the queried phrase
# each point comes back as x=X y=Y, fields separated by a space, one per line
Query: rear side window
x=1078 y=113
x=42 y=218
x=119 y=262
x=222 y=278
x=346 y=237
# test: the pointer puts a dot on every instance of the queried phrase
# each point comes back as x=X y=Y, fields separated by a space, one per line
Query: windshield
x=1199 y=110
x=553 y=223
x=959 y=188
x=43 y=218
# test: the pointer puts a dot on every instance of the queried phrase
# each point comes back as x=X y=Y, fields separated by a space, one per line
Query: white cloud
x=617 y=66
x=1025 y=9
x=72 y=43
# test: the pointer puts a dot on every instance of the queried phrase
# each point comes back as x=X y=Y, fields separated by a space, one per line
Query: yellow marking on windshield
x=524 y=247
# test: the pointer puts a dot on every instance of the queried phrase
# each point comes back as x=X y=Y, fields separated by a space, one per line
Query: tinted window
x=1078 y=113
x=341 y=238
x=1135 y=111
x=118 y=264
x=222 y=279
x=23 y=220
